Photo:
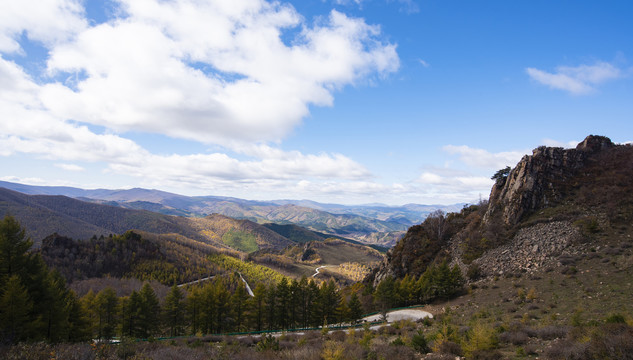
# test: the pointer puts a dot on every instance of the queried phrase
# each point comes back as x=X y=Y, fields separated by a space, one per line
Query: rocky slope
x=554 y=203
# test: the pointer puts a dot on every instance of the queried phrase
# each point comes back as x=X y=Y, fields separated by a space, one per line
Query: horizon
x=339 y=102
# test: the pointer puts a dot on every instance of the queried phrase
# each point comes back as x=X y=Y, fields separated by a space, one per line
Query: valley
x=542 y=269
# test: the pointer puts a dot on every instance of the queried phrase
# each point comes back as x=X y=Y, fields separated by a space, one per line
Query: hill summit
x=554 y=202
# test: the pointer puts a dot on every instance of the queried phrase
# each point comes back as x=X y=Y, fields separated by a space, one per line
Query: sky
x=339 y=101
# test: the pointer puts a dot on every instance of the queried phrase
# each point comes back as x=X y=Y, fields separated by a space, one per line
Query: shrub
x=531 y=295
x=552 y=332
x=474 y=272
x=338 y=335
x=394 y=352
x=267 y=342
x=481 y=337
x=486 y=355
x=612 y=341
x=567 y=350
x=332 y=351
x=514 y=337
x=419 y=344
x=448 y=347
x=615 y=319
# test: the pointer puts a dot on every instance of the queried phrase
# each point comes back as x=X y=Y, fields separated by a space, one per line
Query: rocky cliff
x=533 y=183
x=553 y=202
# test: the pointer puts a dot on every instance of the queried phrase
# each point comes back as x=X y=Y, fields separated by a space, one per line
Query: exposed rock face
x=592 y=179
x=532 y=183
x=531 y=249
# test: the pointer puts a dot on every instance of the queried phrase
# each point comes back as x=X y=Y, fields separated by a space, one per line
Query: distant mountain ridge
x=375 y=223
x=43 y=215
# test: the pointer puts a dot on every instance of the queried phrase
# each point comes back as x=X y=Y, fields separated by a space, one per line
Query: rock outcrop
x=550 y=205
x=531 y=185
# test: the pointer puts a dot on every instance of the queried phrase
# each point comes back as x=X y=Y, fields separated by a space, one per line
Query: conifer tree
x=238 y=301
x=271 y=300
x=355 y=308
x=149 y=319
x=55 y=316
x=107 y=303
x=13 y=249
x=77 y=319
x=130 y=315
x=15 y=307
x=194 y=304
x=257 y=307
x=283 y=303
x=384 y=294
x=329 y=300
x=224 y=320
x=174 y=311
x=89 y=303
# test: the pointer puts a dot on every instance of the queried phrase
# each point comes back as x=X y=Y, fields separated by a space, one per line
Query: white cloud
x=70 y=167
x=577 y=80
x=408 y=6
x=50 y=22
x=238 y=73
x=556 y=143
x=484 y=159
x=457 y=183
x=217 y=72
x=423 y=63
x=44 y=135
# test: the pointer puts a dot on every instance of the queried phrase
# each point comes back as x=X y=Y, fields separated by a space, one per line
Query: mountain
x=552 y=203
x=43 y=215
x=374 y=224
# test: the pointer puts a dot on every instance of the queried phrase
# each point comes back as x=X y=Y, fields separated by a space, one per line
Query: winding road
x=319 y=268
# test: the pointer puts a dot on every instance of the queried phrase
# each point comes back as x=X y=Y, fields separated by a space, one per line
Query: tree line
x=36 y=304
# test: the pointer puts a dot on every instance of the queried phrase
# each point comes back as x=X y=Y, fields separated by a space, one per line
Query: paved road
x=319 y=268
x=197 y=281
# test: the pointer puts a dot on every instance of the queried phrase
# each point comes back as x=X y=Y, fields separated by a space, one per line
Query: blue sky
x=356 y=101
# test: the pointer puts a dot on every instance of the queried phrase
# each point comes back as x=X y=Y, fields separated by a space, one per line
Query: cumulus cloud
x=215 y=72
x=240 y=74
x=577 y=80
x=50 y=22
x=484 y=159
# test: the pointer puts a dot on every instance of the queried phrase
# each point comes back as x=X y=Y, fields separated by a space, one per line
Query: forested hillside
x=372 y=224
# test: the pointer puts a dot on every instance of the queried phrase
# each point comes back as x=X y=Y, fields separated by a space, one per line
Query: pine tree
x=149 y=319
x=13 y=249
x=312 y=304
x=130 y=315
x=223 y=314
x=384 y=294
x=77 y=319
x=89 y=304
x=107 y=304
x=271 y=300
x=329 y=300
x=283 y=303
x=257 y=307
x=173 y=311
x=238 y=301
x=194 y=309
x=55 y=317
x=355 y=308
x=15 y=307
x=208 y=309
